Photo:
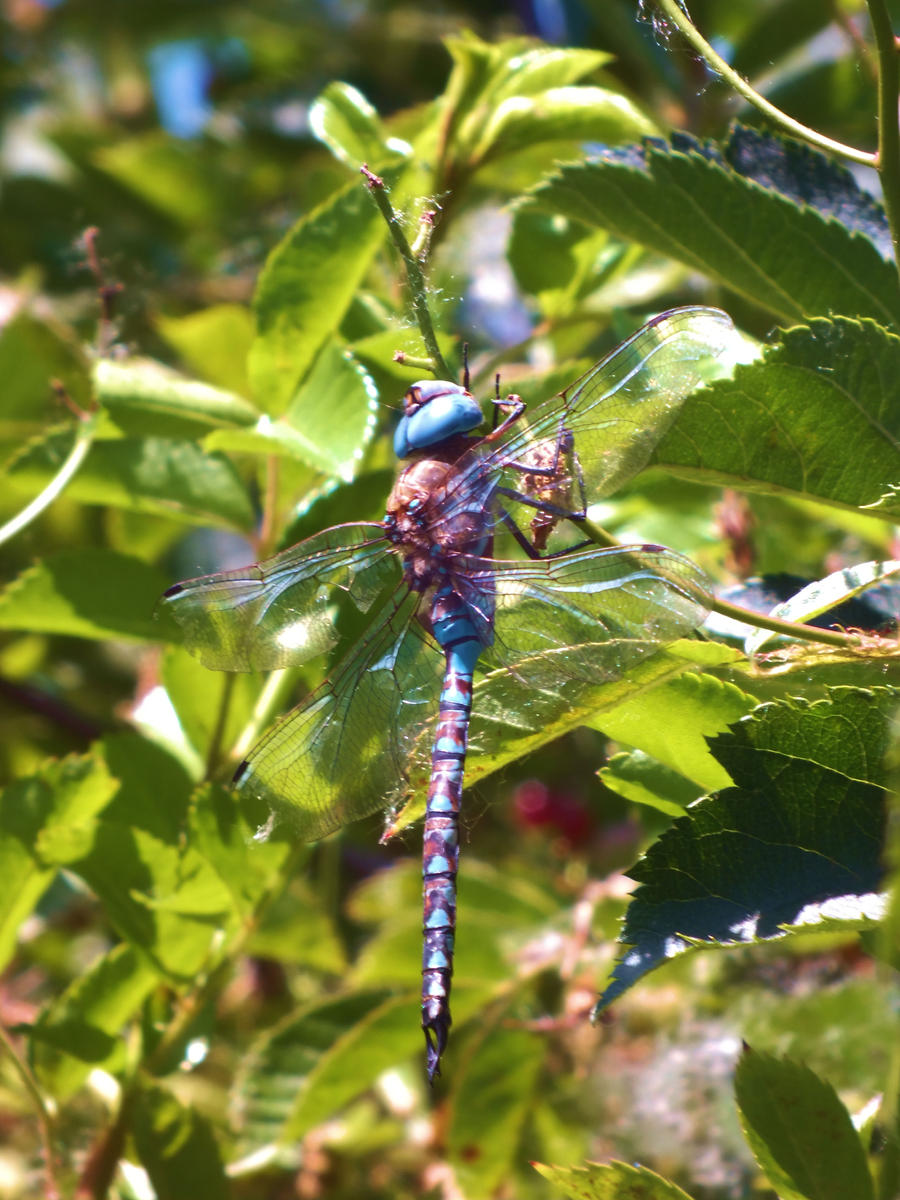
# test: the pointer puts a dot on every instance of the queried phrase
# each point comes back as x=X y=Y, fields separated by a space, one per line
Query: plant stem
x=30 y=1084
x=806 y=633
x=76 y=456
x=214 y=750
x=888 y=131
x=415 y=278
x=679 y=18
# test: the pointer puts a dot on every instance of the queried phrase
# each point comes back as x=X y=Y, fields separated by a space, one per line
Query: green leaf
x=90 y=592
x=818 y=416
x=787 y=259
x=31 y=355
x=644 y=780
x=79 y=1030
x=672 y=722
x=497 y=1090
x=305 y=1069
x=343 y=119
x=800 y=1133
x=307 y=285
x=174 y=176
x=177 y=1148
x=796 y=843
x=329 y=421
x=559 y=114
x=62 y=795
x=245 y=867
x=214 y=342
x=143 y=387
x=611 y=1181
x=152 y=475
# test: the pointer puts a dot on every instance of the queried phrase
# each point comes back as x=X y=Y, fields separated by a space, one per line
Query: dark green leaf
x=797 y=842
x=800 y=1133
x=788 y=260
x=177 y=1148
x=89 y=593
x=644 y=780
x=818 y=416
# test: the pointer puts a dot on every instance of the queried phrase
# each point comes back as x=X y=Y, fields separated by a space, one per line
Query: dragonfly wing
x=616 y=413
x=573 y=636
x=589 y=614
x=281 y=612
x=348 y=749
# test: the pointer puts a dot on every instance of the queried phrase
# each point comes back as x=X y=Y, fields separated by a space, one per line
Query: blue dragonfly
x=437 y=603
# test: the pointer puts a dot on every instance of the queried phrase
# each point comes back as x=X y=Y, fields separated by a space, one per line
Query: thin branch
x=807 y=633
x=83 y=438
x=679 y=18
x=888 y=132
x=415 y=278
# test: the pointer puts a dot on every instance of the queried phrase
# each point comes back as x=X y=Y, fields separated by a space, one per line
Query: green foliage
x=190 y=1008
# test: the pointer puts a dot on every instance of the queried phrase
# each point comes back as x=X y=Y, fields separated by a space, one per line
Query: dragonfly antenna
x=465 y=358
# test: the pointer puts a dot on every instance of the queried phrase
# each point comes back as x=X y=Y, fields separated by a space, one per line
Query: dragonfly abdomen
x=456 y=634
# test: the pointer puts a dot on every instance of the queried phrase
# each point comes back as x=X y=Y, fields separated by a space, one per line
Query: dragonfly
x=435 y=604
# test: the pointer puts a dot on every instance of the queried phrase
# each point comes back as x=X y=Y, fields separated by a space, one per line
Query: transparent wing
x=616 y=413
x=282 y=611
x=347 y=750
x=571 y=636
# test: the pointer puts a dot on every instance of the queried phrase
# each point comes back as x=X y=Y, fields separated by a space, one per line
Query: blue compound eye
x=435 y=410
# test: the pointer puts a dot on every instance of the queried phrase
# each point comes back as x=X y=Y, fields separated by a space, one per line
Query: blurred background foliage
x=182 y=132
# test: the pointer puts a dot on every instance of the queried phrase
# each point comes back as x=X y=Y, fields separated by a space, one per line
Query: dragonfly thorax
x=417 y=523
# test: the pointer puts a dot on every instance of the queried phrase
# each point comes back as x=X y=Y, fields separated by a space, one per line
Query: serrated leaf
x=344 y=120
x=306 y=287
x=800 y=1133
x=327 y=424
x=495 y=1092
x=176 y=1147
x=62 y=795
x=808 y=176
x=610 y=1181
x=797 y=841
x=80 y=1029
x=246 y=868
x=787 y=259
x=90 y=592
x=164 y=476
x=818 y=416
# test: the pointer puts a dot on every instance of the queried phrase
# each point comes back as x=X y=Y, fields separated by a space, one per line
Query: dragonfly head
x=434 y=410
